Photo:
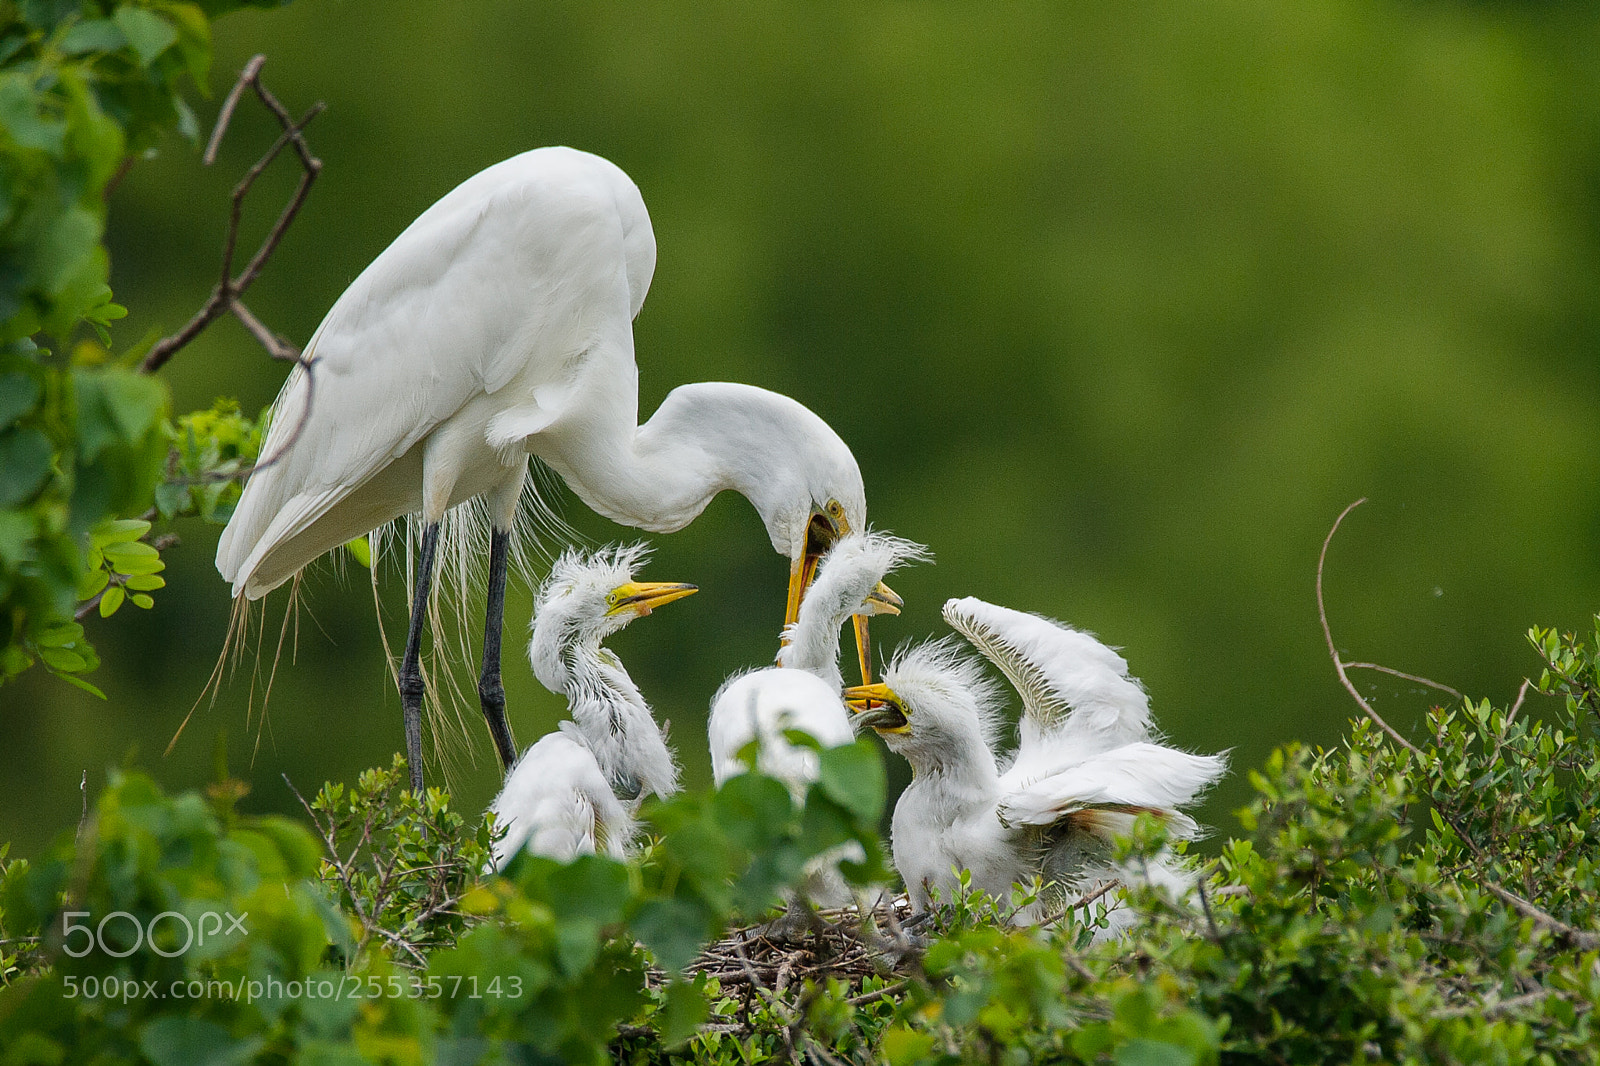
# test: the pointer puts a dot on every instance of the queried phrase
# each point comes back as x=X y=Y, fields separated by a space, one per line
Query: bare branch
x=225 y=297
x=1584 y=941
x=1522 y=694
x=1392 y=672
x=1333 y=652
x=251 y=71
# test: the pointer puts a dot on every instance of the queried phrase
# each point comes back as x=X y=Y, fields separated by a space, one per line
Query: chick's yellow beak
x=642 y=597
x=878 y=706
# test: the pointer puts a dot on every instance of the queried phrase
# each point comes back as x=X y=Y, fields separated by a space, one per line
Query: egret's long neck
x=610 y=711
x=814 y=639
x=704 y=438
x=957 y=760
x=657 y=476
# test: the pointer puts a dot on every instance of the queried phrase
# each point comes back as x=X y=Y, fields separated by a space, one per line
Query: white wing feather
x=1126 y=780
x=764 y=704
x=505 y=283
x=1076 y=692
x=557 y=803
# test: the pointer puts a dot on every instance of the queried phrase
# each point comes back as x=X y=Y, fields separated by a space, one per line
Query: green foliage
x=85 y=87
x=210 y=449
x=397 y=862
x=396 y=948
x=1382 y=904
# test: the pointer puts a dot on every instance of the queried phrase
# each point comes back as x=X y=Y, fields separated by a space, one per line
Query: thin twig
x=1391 y=671
x=1083 y=901
x=1577 y=937
x=882 y=993
x=1333 y=651
x=226 y=296
x=1522 y=694
x=83 y=787
x=1205 y=905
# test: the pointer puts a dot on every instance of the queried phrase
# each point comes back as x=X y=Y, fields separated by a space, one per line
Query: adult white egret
x=1086 y=765
x=576 y=790
x=802 y=692
x=499 y=326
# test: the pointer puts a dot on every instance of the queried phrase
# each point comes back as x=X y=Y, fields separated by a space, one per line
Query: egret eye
x=835 y=509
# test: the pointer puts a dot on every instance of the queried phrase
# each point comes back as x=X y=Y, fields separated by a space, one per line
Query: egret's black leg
x=491 y=693
x=411 y=685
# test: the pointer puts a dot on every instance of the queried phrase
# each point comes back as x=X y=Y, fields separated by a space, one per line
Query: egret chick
x=803 y=692
x=577 y=789
x=1086 y=764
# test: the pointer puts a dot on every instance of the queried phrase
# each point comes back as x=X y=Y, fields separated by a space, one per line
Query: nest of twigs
x=767 y=966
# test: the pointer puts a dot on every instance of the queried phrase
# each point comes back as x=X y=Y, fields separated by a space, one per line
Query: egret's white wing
x=762 y=705
x=1125 y=781
x=506 y=283
x=557 y=803
x=1072 y=686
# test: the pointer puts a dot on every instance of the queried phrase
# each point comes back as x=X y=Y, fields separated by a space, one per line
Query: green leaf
x=111 y=601
x=590 y=886
x=136 y=401
x=24 y=464
x=144 y=583
x=1142 y=1052
x=93 y=35
x=147 y=32
x=904 y=1047
x=685 y=1008
x=852 y=776
x=64 y=659
x=120 y=531
x=77 y=682
x=19 y=394
x=92 y=582
x=16 y=537
x=140 y=599
x=361 y=551
x=20 y=119
x=672 y=928
x=61 y=635
x=129 y=551
x=181 y=1041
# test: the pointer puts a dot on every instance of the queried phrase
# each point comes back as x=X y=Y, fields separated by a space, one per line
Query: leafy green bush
x=86 y=87
x=1382 y=903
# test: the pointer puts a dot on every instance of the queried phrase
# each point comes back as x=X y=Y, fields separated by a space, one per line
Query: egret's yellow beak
x=821 y=532
x=878 y=706
x=881 y=600
x=642 y=597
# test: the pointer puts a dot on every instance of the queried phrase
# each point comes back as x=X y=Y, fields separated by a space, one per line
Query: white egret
x=802 y=693
x=576 y=790
x=499 y=326
x=558 y=804
x=1086 y=765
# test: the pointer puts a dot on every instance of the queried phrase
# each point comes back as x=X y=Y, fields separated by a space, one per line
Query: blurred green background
x=1118 y=305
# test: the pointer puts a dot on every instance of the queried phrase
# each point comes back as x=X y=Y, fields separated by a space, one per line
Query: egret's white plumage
x=1087 y=762
x=761 y=706
x=557 y=803
x=802 y=693
x=499 y=326
x=552 y=801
